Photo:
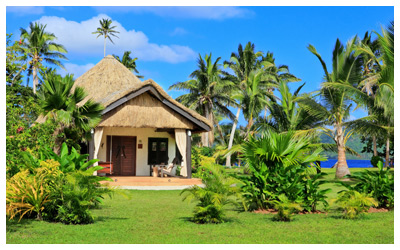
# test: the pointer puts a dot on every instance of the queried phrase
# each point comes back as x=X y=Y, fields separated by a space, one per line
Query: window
x=158 y=151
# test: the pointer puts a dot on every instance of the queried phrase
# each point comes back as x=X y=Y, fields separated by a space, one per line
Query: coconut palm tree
x=336 y=104
x=106 y=30
x=242 y=63
x=38 y=45
x=376 y=93
x=68 y=107
x=287 y=114
x=128 y=62
x=254 y=98
x=209 y=93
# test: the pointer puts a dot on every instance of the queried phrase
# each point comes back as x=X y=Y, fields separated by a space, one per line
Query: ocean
x=351 y=163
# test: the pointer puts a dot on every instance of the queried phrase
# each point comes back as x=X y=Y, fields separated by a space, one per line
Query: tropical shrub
x=278 y=166
x=22 y=111
x=69 y=161
x=375 y=160
x=195 y=159
x=354 y=204
x=60 y=189
x=219 y=191
x=285 y=208
x=314 y=194
x=380 y=184
x=80 y=192
x=28 y=194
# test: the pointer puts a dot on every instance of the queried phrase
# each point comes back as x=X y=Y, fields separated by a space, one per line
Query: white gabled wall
x=142 y=134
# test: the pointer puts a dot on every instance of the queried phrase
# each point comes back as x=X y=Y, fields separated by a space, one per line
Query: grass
x=162 y=217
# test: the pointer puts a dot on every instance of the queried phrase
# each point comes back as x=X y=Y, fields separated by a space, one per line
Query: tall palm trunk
x=342 y=168
x=205 y=135
x=105 y=46
x=387 y=151
x=374 y=145
x=211 y=132
x=228 y=157
x=220 y=134
x=35 y=79
x=58 y=140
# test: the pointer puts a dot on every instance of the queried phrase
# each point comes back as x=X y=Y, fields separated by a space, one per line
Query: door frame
x=134 y=155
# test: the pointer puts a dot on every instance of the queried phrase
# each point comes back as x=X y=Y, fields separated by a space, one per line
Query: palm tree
x=376 y=93
x=287 y=113
x=336 y=104
x=254 y=98
x=38 y=45
x=128 y=62
x=385 y=95
x=106 y=31
x=242 y=63
x=371 y=69
x=67 y=107
x=208 y=93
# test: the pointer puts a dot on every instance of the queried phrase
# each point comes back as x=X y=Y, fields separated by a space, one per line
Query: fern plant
x=285 y=208
x=380 y=184
x=354 y=204
x=219 y=191
x=278 y=165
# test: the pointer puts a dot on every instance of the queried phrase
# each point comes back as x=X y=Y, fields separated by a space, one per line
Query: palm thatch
x=109 y=82
x=144 y=111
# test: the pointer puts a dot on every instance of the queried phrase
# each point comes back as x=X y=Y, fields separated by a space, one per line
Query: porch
x=152 y=183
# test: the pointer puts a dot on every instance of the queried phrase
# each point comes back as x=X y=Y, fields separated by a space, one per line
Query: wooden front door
x=123 y=154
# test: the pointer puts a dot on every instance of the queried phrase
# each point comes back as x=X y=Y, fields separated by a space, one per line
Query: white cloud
x=25 y=10
x=75 y=69
x=195 y=12
x=78 y=39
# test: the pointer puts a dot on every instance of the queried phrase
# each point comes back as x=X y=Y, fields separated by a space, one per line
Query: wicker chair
x=170 y=171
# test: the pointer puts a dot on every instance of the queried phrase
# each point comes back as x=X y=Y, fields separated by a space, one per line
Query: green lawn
x=162 y=217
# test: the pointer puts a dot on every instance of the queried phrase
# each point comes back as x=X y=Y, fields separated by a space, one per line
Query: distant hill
x=354 y=142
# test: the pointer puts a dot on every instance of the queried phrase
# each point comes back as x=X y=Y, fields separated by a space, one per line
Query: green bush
x=375 y=160
x=380 y=184
x=285 y=208
x=80 y=192
x=277 y=166
x=219 y=191
x=313 y=193
x=29 y=194
x=354 y=204
x=61 y=189
x=69 y=161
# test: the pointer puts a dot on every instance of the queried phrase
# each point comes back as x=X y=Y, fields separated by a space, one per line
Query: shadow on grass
x=13 y=225
x=340 y=217
x=226 y=220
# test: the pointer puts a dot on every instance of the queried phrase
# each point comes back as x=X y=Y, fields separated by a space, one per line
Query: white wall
x=142 y=134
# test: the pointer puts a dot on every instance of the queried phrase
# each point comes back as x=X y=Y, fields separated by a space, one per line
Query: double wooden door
x=123 y=154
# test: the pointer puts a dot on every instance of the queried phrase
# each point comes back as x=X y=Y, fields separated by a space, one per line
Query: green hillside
x=354 y=142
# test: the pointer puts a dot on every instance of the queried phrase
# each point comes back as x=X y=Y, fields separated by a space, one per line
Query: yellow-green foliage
x=354 y=203
x=206 y=160
x=285 y=208
x=27 y=193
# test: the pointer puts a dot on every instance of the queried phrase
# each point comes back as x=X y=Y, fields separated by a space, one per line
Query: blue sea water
x=351 y=163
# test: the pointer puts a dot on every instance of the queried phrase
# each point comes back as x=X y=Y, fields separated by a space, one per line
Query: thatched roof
x=145 y=111
x=112 y=84
x=107 y=80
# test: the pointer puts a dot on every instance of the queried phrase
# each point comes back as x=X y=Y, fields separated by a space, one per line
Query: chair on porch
x=171 y=169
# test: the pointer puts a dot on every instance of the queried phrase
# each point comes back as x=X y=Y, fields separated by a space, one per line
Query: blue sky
x=167 y=40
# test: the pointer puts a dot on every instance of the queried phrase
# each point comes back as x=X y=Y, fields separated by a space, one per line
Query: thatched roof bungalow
x=142 y=125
